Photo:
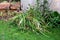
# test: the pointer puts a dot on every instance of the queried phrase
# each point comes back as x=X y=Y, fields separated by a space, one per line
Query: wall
x=54 y=4
x=25 y=4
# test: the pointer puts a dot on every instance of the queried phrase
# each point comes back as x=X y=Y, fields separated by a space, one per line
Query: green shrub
x=53 y=20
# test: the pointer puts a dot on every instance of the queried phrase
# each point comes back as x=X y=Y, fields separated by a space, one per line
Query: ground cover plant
x=8 y=32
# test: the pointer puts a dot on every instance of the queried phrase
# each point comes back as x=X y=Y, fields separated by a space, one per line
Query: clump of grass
x=36 y=21
x=31 y=20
